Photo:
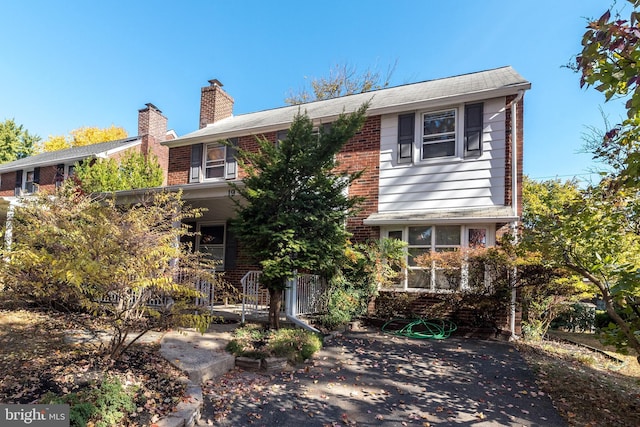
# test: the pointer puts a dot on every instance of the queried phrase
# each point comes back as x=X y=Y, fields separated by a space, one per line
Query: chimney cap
x=150 y=106
x=215 y=82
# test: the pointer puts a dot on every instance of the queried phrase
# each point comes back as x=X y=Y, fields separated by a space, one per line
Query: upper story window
x=442 y=134
x=439 y=134
x=213 y=161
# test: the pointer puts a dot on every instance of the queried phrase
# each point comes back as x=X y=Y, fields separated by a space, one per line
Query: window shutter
x=196 y=162
x=18 y=185
x=406 y=130
x=473 y=115
x=230 y=250
x=36 y=175
x=230 y=160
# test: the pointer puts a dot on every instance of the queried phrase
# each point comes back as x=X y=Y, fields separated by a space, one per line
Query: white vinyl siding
x=449 y=182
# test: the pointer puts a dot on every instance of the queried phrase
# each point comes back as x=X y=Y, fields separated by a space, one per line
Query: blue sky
x=87 y=63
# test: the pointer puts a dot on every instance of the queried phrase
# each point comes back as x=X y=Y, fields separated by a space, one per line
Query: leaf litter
x=378 y=380
x=35 y=359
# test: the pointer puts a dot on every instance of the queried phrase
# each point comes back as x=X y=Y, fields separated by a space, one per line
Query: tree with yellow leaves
x=84 y=136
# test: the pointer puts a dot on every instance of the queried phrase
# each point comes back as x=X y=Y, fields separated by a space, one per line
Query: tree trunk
x=275 y=303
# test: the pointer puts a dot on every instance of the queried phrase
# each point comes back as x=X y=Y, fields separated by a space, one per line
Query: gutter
x=514 y=203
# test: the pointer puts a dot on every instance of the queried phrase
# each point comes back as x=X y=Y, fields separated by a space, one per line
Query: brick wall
x=48 y=179
x=468 y=319
x=362 y=152
x=152 y=128
x=179 y=164
x=7 y=184
x=215 y=103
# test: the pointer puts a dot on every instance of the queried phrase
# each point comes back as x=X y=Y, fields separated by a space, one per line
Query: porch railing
x=306 y=294
x=311 y=294
x=206 y=290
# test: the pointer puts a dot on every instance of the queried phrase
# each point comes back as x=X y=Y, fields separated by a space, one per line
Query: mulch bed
x=35 y=360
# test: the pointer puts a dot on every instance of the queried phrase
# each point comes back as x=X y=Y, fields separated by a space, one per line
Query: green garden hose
x=437 y=329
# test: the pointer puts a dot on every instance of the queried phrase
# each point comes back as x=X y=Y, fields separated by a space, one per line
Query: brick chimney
x=215 y=103
x=152 y=129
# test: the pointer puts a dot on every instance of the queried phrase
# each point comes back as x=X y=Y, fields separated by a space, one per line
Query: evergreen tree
x=295 y=202
x=15 y=141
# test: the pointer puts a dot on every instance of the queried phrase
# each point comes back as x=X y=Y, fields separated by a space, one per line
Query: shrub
x=343 y=303
x=602 y=319
x=256 y=342
x=105 y=406
x=577 y=317
x=366 y=267
x=296 y=345
x=390 y=305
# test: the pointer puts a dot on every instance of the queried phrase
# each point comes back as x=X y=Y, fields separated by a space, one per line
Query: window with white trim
x=214 y=158
x=425 y=239
x=439 y=134
x=455 y=132
x=31 y=181
x=213 y=161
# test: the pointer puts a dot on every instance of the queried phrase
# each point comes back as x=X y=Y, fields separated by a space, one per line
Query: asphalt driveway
x=374 y=379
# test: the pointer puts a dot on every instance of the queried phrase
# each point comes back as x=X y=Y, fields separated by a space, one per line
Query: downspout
x=514 y=203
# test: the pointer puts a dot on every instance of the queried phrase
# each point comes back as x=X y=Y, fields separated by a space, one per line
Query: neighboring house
x=46 y=171
x=442 y=163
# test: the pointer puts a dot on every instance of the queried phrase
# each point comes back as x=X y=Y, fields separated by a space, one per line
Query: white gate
x=306 y=294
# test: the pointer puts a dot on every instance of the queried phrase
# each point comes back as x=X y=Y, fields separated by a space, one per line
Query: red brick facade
x=179 y=163
x=47 y=181
x=7 y=184
x=362 y=152
x=215 y=103
x=152 y=128
x=491 y=322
